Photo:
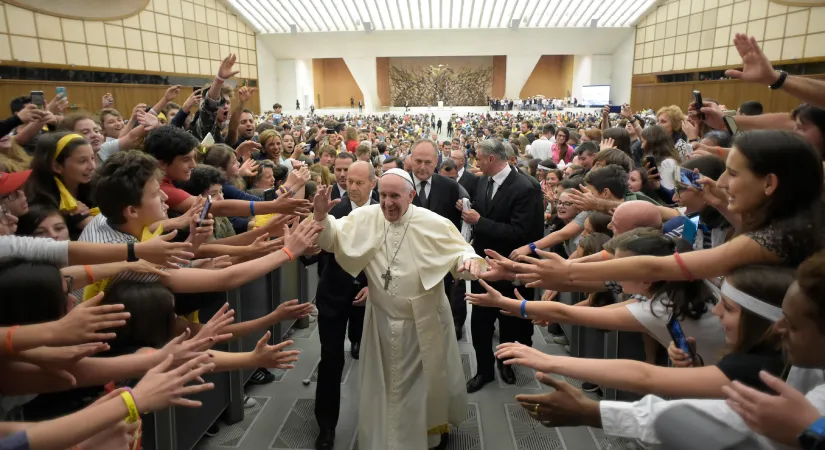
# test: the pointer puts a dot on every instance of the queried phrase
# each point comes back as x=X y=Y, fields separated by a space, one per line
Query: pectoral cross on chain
x=387 y=278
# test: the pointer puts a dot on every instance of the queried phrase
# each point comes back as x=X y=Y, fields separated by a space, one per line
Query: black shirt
x=745 y=367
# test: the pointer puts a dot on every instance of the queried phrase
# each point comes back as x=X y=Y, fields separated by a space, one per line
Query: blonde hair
x=323 y=173
x=676 y=116
x=16 y=160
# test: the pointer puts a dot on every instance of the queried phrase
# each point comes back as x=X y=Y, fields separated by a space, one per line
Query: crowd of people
x=534 y=103
x=117 y=223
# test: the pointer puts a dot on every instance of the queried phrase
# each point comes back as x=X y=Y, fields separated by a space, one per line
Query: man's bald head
x=360 y=182
x=635 y=214
x=363 y=168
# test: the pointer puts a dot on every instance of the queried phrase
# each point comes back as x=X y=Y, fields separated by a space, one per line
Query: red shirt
x=176 y=195
x=351 y=145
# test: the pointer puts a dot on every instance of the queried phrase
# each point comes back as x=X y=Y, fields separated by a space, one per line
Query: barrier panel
x=182 y=428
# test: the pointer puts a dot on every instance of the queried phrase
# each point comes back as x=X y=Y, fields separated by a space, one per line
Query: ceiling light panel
x=277 y=16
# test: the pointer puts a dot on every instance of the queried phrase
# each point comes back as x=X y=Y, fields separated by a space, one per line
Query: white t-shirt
x=540 y=149
x=708 y=332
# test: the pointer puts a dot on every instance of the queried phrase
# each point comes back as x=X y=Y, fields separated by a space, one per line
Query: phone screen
x=679 y=338
x=61 y=91
x=205 y=211
x=269 y=194
x=689 y=177
x=38 y=99
x=616 y=109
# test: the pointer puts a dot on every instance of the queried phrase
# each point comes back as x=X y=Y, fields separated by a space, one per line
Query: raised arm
x=623 y=374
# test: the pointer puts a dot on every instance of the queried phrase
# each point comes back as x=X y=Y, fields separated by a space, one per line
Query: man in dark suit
x=340 y=300
x=507 y=213
x=340 y=169
x=465 y=178
x=439 y=194
x=434 y=192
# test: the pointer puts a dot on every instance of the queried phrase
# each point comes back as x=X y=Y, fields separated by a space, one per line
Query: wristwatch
x=782 y=77
x=814 y=437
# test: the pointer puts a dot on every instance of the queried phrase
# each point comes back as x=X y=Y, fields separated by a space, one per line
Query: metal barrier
x=182 y=428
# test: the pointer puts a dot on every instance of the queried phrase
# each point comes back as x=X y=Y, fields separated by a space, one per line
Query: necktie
x=490 y=186
x=425 y=202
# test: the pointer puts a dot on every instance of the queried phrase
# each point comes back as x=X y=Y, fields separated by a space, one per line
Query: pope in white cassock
x=412 y=383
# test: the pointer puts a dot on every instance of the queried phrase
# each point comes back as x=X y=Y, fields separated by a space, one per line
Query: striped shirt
x=99 y=230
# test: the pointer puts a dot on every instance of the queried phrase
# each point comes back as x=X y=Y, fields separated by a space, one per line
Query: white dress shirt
x=341 y=190
x=498 y=179
x=460 y=173
x=427 y=188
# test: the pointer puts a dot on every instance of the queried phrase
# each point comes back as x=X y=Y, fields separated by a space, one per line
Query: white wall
x=267 y=77
x=582 y=68
x=518 y=70
x=304 y=85
x=551 y=41
x=287 y=86
x=622 y=78
x=365 y=72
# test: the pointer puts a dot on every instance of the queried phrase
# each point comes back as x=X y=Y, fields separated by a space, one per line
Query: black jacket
x=444 y=194
x=336 y=288
x=470 y=182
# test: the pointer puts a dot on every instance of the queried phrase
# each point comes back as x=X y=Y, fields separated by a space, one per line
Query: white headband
x=401 y=173
x=750 y=303
x=546 y=169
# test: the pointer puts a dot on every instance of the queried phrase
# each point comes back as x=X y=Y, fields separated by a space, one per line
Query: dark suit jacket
x=514 y=218
x=470 y=182
x=336 y=194
x=336 y=288
x=444 y=194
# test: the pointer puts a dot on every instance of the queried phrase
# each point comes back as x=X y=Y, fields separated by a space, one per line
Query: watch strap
x=130 y=252
x=782 y=77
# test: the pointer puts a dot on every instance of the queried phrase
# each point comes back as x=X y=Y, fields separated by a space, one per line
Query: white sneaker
x=249 y=402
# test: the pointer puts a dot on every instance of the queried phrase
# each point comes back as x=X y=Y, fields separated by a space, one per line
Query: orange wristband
x=9 y=335
x=89 y=273
x=719 y=151
x=605 y=255
x=289 y=254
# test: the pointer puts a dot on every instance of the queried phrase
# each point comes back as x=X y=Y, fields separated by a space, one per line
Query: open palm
x=757 y=67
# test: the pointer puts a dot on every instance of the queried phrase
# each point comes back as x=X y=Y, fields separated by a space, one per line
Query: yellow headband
x=64 y=141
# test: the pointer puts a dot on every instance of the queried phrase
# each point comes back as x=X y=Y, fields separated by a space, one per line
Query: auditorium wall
x=334 y=83
x=552 y=77
x=455 y=80
x=686 y=35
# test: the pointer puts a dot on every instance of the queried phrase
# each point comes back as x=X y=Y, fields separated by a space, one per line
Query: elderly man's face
x=396 y=195
x=424 y=159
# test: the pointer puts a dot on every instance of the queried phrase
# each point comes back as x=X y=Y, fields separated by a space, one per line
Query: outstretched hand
x=323 y=202
x=757 y=68
x=566 y=406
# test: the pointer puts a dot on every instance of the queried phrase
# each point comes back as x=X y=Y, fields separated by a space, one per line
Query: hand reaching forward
x=780 y=417
x=523 y=355
x=184 y=350
x=492 y=297
x=497 y=267
x=292 y=310
x=566 y=406
x=225 y=72
x=85 y=321
x=220 y=320
x=551 y=267
x=249 y=168
x=164 y=386
x=272 y=356
x=304 y=235
x=159 y=250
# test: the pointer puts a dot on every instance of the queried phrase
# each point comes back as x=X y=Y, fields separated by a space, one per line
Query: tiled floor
x=284 y=419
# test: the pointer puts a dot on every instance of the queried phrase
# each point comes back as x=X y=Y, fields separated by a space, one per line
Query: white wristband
x=217 y=77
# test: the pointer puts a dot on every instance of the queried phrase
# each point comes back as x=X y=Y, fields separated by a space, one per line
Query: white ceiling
x=320 y=16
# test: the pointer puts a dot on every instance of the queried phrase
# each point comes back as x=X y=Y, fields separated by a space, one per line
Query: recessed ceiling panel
x=324 y=16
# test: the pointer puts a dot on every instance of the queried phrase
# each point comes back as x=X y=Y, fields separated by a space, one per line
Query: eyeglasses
x=565 y=204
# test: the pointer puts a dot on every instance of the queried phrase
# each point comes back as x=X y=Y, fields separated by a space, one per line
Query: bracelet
x=134 y=399
x=218 y=77
x=605 y=255
x=130 y=252
x=719 y=151
x=683 y=266
x=289 y=254
x=88 y=269
x=251 y=208
x=129 y=400
x=524 y=309
x=9 y=334
x=532 y=246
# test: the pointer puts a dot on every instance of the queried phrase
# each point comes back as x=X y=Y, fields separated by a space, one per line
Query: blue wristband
x=532 y=246
x=523 y=309
x=251 y=208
